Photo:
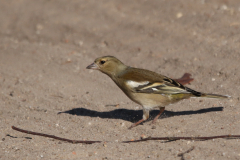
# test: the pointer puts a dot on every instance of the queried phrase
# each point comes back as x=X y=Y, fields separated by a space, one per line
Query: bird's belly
x=150 y=100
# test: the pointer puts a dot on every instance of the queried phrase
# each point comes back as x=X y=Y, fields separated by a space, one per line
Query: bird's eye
x=102 y=62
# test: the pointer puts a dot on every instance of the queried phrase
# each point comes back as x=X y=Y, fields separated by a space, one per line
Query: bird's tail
x=214 y=95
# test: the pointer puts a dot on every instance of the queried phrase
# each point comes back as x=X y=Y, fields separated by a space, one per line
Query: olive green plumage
x=145 y=87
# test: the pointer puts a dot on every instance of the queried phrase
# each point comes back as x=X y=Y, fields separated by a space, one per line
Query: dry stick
x=145 y=139
x=185 y=138
x=182 y=154
x=54 y=137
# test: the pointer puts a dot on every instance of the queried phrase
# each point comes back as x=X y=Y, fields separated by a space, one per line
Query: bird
x=147 y=88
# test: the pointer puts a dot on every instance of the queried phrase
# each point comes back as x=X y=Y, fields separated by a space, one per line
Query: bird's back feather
x=146 y=81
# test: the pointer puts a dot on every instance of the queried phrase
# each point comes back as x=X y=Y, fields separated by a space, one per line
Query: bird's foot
x=135 y=124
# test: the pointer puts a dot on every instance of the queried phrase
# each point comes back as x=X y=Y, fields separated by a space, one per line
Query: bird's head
x=108 y=65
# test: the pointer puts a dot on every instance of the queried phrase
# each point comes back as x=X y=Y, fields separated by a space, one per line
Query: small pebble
x=179 y=15
x=143 y=136
x=39 y=27
x=80 y=43
x=224 y=7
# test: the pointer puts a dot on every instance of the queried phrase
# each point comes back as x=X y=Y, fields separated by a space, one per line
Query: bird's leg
x=145 y=117
x=161 y=111
x=135 y=124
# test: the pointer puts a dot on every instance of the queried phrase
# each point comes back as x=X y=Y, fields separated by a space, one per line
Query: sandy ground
x=46 y=45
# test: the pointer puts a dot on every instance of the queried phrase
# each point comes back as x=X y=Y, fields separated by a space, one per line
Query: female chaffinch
x=147 y=88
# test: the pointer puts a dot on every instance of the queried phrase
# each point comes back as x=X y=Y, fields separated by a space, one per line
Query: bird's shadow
x=135 y=115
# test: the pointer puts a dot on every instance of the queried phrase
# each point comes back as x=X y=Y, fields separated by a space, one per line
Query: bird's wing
x=144 y=81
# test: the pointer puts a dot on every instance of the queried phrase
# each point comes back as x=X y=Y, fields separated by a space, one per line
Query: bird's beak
x=93 y=66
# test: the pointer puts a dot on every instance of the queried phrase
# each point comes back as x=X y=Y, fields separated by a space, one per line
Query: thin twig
x=54 y=137
x=140 y=140
x=185 y=138
x=182 y=154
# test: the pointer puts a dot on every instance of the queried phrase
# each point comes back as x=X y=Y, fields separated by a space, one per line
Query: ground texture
x=46 y=45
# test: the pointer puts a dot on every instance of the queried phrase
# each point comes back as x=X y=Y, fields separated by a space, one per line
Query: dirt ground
x=46 y=45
